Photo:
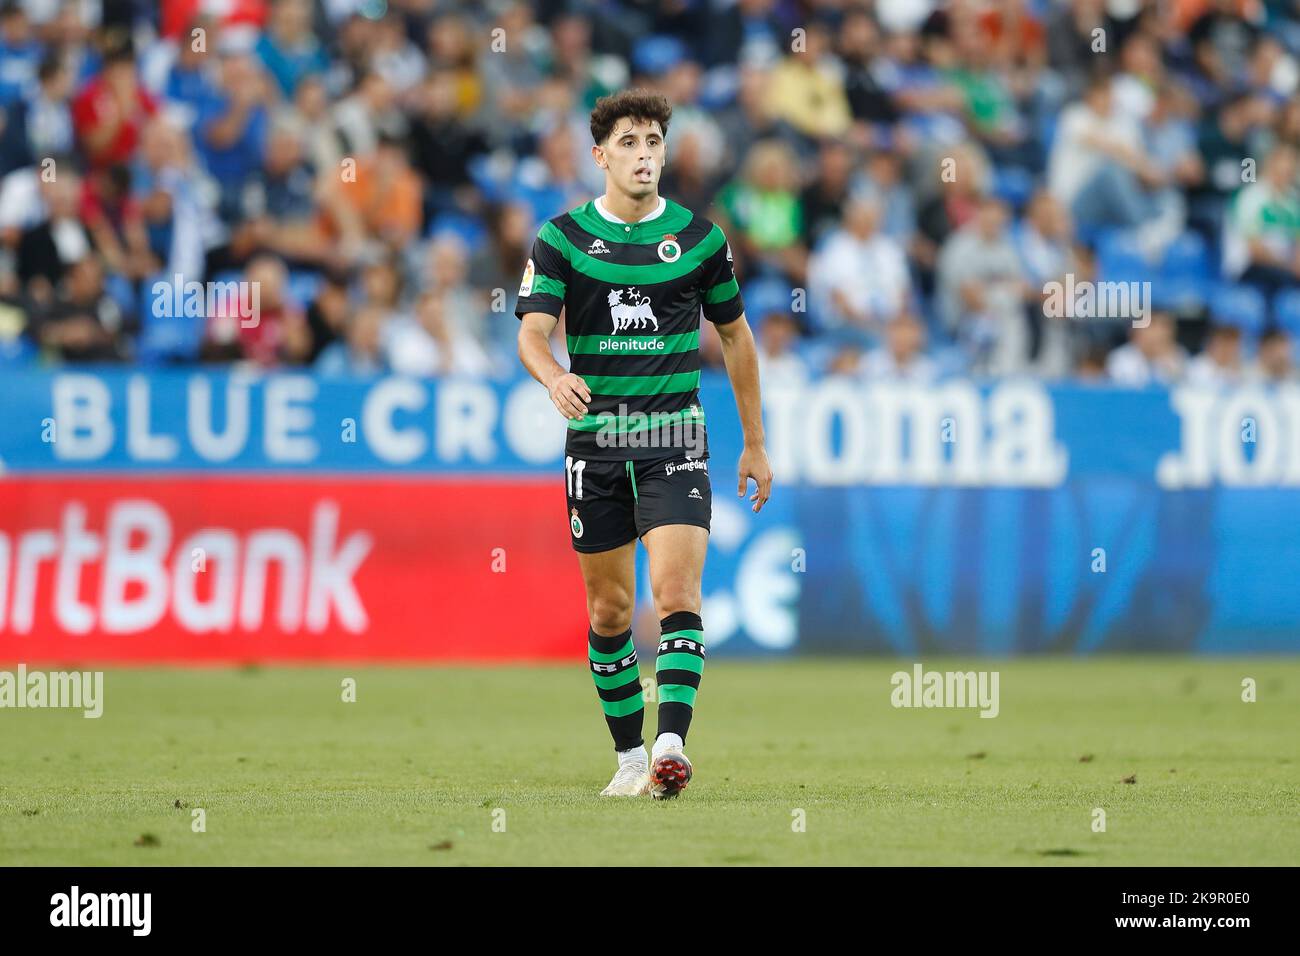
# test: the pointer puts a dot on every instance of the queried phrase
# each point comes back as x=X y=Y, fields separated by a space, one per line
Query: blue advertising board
x=1004 y=518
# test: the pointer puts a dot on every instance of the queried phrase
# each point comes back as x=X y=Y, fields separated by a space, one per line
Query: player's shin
x=678 y=668
x=614 y=670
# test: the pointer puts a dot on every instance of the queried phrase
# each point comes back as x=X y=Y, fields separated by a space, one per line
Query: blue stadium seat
x=1286 y=310
x=121 y=290
x=303 y=286
x=1120 y=258
x=1239 y=305
x=765 y=296
x=1186 y=277
x=1180 y=293
x=1013 y=185
x=18 y=350
x=168 y=338
x=1187 y=256
x=470 y=229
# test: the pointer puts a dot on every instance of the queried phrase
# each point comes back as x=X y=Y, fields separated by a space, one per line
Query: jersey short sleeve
x=720 y=294
x=546 y=276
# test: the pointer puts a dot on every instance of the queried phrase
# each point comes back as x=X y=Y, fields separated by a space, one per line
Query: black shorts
x=613 y=502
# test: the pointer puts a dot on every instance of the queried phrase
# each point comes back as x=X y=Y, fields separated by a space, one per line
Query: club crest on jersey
x=526 y=285
x=670 y=250
x=634 y=314
x=598 y=248
x=575 y=524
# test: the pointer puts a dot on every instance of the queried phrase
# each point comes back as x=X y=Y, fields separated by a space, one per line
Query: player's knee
x=610 y=613
x=677 y=596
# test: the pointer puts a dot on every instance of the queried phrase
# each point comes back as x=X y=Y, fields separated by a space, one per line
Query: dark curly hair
x=642 y=105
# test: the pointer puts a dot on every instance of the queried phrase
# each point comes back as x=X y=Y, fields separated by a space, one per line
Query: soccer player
x=631 y=272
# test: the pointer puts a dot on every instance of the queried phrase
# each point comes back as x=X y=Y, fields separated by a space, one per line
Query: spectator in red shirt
x=111 y=109
x=113 y=216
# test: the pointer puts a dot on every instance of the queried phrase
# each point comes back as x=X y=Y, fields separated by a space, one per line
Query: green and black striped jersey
x=632 y=294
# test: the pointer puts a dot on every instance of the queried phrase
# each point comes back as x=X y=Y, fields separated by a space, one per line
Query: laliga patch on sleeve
x=526 y=286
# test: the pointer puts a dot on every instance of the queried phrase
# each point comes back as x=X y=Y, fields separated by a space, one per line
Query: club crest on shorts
x=670 y=250
x=575 y=523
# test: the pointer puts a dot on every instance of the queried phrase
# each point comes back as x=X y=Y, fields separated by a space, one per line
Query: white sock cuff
x=666 y=741
x=635 y=755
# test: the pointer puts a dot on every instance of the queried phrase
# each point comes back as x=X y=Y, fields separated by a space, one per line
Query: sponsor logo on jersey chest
x=634 y=313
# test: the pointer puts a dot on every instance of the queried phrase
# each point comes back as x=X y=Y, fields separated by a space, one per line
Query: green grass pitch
x=454 y=766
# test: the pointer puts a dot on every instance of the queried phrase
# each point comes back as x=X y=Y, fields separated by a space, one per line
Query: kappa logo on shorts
x=695 y=493
x=575 y=524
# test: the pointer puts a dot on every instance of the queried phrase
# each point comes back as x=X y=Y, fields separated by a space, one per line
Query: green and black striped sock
x=618 y=682
x=678 y=668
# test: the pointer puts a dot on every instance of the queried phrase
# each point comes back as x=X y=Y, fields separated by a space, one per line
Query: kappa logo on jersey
x=598 y=248
x=526 y=285
x=695 y=494
x=637 y=315
x=670 y=250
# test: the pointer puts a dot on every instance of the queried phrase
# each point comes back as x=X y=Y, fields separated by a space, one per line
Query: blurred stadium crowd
x=900 y=180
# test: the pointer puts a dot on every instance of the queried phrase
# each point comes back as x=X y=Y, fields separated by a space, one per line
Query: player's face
x=632 y=157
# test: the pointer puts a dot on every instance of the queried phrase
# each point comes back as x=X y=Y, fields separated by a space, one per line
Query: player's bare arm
x=568 y=392
x=741 y=358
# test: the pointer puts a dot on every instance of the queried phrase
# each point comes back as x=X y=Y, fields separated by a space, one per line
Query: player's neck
x=629 y=208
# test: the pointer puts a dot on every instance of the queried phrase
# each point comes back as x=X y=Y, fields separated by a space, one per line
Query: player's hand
x=570 y=395
x=753 y=464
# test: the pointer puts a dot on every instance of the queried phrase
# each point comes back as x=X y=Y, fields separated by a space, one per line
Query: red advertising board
x=184 y=569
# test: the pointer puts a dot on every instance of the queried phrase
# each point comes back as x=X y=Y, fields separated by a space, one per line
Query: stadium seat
x=167 y=338
x=303 y=286
x=1180 y=294
x=1186 y=277
x=1286 y=311
x=1239 y=305
x=18 y=350
x=1187 y=256
x=1120 y=258
x=1013 y=185
x=468 y=229
x=765 y=296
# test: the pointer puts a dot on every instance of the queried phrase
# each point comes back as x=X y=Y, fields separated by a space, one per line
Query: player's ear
x=598 y=154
